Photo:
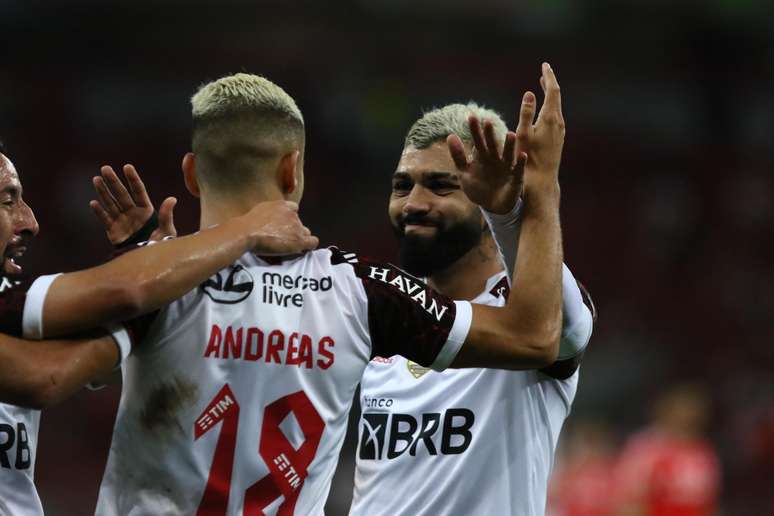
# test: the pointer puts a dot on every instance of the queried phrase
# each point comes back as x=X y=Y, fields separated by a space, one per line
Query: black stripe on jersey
x=13 y=295
x=587 y=300
x=405 y=316
x=563 y=369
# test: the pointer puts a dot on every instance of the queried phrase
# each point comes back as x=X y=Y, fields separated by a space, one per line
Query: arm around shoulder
x=40 y=374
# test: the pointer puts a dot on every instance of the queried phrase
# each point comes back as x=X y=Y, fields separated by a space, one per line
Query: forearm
x=39 y=374
x=525 y=333
x=535 y=302
x=140 y=281
x=576 y=317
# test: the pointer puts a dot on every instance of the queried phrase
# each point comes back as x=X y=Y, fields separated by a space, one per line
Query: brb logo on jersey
x=388 y=436
x=229 y=287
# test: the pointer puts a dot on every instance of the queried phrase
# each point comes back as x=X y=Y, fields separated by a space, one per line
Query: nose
x=417 y=201
x=25 y=222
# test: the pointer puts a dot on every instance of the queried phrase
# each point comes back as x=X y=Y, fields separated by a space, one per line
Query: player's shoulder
x=368 y=268
x=338 y=256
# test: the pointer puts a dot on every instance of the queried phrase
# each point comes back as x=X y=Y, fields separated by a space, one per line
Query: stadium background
x=666 y=178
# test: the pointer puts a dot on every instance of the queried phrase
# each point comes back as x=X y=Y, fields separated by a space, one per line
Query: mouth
x=13 y=252
x=419 y=228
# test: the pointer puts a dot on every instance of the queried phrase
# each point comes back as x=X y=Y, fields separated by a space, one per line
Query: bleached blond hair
x=242 y=124
x=437 y=124
x=242 y=92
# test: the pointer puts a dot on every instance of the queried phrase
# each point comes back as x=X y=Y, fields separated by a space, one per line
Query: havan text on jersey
x=390 y=435
x=408 y=285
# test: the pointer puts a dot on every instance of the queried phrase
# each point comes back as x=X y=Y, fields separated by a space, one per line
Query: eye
x=441 y=187
x=401 y=186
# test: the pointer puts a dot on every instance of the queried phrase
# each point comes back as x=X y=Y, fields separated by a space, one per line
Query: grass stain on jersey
x=164 y=403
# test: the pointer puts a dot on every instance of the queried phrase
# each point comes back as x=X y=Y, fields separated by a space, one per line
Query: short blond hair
x=437 y=124
x=242 y=92
x=241 y=124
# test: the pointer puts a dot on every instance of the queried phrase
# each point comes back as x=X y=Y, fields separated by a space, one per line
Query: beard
x=423 y=256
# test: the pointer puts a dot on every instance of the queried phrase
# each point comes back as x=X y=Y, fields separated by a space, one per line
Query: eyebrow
x=428 y=176
x=433 y=174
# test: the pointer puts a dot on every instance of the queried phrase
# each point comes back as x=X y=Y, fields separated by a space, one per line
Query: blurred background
x=668 y=193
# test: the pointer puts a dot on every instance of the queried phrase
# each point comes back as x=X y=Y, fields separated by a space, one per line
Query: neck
x=217 y=207
x=466 y=278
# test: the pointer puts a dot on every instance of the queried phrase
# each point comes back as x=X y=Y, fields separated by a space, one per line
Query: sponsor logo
x=415 y=289
x=382 y=360
x=386 y=436
x=377 y=402
x=501 y=289
x=20 y=458
x=276 y=286
x=416 y=370
x=229 y=287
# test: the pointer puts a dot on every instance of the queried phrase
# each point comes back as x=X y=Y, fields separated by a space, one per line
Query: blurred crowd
x=667 y=192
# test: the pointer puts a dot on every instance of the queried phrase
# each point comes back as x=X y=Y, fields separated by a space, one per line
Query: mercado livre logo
x=229 y=287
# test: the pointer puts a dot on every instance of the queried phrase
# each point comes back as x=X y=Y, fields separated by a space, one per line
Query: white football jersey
x=464 y=441
x=18 y=442
x=21 y=309
x=235 y=397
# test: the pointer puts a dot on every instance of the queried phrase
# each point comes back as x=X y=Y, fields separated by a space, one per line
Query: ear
x=286 y=172
x=189 y=174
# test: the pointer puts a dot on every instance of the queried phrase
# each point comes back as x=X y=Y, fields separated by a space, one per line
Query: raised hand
x=124 y=211
x=490 y=177
x=543 y=141
x=277 y=230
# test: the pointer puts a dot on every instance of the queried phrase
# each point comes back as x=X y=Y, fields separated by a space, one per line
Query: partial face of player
x=436 y=224
x=17 y=222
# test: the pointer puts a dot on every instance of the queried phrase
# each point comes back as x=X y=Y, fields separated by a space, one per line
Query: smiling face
x=17 y=222
x=436 y=224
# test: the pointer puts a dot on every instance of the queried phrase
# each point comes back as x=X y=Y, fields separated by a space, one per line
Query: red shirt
x=669 y=476
x=584 y=488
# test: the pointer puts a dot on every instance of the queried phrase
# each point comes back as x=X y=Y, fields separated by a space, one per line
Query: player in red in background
x=670 y=468
x=583 y=482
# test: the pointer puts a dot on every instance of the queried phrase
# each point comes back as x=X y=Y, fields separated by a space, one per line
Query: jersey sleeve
x=578 y=314
x=406 y=317
x=21 y=305
x=578 y=317
x=505 y=230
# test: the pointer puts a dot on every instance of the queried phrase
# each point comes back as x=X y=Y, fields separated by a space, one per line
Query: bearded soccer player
x=37 y=374
x=471 y=441
x=253 y=373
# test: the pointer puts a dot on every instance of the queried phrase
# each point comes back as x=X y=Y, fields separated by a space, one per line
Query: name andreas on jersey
x=253 y=344
x=273 y=351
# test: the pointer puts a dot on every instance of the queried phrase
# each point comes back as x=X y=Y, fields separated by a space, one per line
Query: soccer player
x=37 y=374
x=468 y=441
x=235 y=399
x=671 y=468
